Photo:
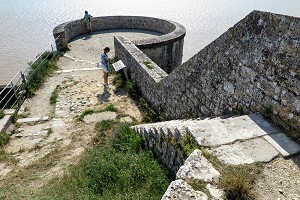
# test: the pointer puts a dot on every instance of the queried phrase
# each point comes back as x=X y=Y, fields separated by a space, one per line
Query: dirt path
x=47 y=148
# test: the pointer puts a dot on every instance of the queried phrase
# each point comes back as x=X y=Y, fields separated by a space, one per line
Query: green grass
x=111 y=108
x=148 y=64
x=39 y=71
x=118 y=80
x=54 y=95
x=238 y=182
x=84 y=113
x=2 y=114
x=118 y=170
x=4 y=138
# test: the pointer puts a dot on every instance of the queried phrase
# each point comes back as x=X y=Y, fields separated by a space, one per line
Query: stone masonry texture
x=165 y=49
x=254 y=66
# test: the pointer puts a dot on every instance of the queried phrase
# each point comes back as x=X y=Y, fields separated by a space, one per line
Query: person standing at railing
x=87 y=20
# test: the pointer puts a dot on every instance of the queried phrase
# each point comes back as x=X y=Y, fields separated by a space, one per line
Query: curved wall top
x=165 y=50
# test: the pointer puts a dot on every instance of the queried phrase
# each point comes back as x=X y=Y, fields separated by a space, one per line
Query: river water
x=26 y=26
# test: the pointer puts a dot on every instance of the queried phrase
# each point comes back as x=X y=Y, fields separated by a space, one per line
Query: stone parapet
x=165 y=50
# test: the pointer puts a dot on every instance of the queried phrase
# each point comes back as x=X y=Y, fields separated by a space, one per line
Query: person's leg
x=105 y=78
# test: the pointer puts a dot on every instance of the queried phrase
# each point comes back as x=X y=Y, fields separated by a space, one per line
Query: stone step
x=218 y=132
x=32 y=120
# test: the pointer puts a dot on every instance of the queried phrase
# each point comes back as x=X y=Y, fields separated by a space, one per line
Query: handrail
x=16 y=90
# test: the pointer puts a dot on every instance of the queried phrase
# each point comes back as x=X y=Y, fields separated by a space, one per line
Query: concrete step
x=218 y=131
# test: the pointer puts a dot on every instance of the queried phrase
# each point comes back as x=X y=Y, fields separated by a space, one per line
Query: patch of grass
x=6 y=157
x=84 y=113
x=40 y=69
x=103 y=125
x=54 y=95
x=118 y=80
x=198 y=185
x=238 y=182
x=148 y=64
x=131 y=87
x=111 y=108
x=190 y=144
x=2 y=114
x=118 y=170
x=4 y=138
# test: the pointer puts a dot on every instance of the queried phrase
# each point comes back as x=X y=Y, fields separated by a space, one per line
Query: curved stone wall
x=164 y=50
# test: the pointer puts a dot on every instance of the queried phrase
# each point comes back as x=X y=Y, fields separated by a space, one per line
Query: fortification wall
x=254 y=66
x=164 y=50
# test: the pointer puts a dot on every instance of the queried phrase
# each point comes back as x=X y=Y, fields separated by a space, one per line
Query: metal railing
x=17 y=89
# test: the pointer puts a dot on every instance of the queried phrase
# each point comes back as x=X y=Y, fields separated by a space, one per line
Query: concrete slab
x=5 y=122
x=33 y=119
x=197 y=167
x=179 y=189
x=283 y=144
x=97 y=117
x=251 y=151
x=9 y=111
x=217 y=131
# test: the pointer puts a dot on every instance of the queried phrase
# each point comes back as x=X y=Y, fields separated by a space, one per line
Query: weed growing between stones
x=148 y=64
x=119 y=169
x=190 y=144
x=2 y=114
x=267 y=111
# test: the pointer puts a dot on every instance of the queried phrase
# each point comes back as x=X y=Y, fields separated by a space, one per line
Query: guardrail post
x=24 y=82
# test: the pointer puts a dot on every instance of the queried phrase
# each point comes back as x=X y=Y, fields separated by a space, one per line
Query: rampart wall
x=254 y=66
x=165 y=50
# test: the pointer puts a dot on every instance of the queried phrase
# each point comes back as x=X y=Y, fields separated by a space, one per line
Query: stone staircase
x=235 y=140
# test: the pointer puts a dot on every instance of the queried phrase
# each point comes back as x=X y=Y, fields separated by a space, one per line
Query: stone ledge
x=5 y=122
x=180 y=189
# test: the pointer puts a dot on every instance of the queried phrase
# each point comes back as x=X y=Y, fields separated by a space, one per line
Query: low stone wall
x=254 y=66
x=165 y=50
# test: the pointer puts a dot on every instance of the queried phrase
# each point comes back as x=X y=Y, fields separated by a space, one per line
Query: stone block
x=250 y=151
x=97 y=117
x=197 y=167
x=179 y=190
x=5 y=122
x=32 y=119
x=283 y=144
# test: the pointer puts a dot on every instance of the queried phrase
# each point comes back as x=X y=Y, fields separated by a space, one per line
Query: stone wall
x=164 y=50
x=254 y=66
